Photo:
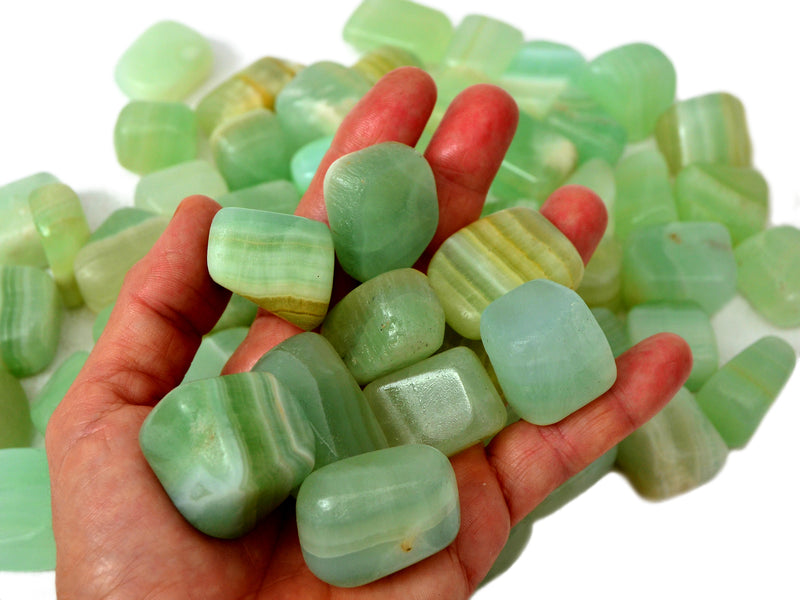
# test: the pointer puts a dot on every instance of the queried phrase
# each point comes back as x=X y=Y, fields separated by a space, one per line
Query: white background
x=735 y=537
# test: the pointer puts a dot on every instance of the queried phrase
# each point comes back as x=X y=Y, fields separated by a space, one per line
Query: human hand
x=117 y=533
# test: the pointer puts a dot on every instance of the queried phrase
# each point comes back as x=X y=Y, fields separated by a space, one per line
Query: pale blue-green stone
x=278 y=196
x=56 y=387
x=161 y=191
x=305 y=161
x=214 y=351
x=19 y=241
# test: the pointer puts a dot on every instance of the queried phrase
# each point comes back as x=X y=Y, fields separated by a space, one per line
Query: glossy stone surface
x=452 y=339
x=214 y=351
x=20 y=243
x=161 y=191
x=305 y=161
x=228 y=450
x=250 y=149
x=494 y=255
x=385 y=324
x=679 y=261
x=737 y=397
x=484 y=44
x=55 y=388
x=707 y=129
x=26 y=523
x=365 y=517
x=382 y=208
x=240 y=312
x=676 y=451
x=615 y=329
x=167 y=61
x=283 y=263
x=59 y=218
x=737 y=197
x=685 y=319
x=330 y=397
x=550 y=355
x=278 y=196
x=446 y=401
x=149 y=135
x=16 y=428
x=769 y=274
x=30 y=319
x=602 y=278
x=378 y=62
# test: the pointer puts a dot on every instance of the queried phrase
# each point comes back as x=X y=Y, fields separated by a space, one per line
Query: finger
x=580 y=215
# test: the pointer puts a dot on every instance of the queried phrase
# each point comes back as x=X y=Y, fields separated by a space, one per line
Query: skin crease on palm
x=118 y=535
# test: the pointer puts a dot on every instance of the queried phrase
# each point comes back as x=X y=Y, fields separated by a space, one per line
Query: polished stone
x=240 y=312
x=483 y=44
x=305 y=161
x=597 y=175
x=615 y=329
x=278 y=196
x=20 y=243
x=378 y=62
x=214 y=351
x=602 y=278
x=161 y=191
x=55 y=388
x=16 y=428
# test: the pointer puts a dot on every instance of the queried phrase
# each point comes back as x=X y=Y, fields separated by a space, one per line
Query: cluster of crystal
x=550 y=355
x=494 y=255
x=367 y=516
x=214 y=351
x=228 y=449
x=283 y=263
x=161 y=191
x=483 y=44
x=378 y=62
x=16 y=428
x=278 y=196
x=55 y=388
x=19 y=239
x=305 y=161
x=382 y=208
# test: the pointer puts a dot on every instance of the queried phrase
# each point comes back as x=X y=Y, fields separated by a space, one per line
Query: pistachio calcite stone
x=282 y=263
x=495 y=254
x=30 y=319
x=484 y=44
x=769 y=274
x=602 y=278
x=55 y=388
x=446 y=401
x=161 y=191
x=214 y=351
x=598 y=175
x=382 y=208
x=26 y=523
x=378 y=62
x=387 y=323
x=679 y=261
x=59 y=218
x=16 y=428
x=167 y=61
x=20 y=243
x=278 y=196
x=240 y=312
x=550 y=355
x=228 y=450
x=737 y=397
x=305 y=161
x=367 y=516
x=674 y=452
x=452 y=339
x=614 y=327
x=339 y=415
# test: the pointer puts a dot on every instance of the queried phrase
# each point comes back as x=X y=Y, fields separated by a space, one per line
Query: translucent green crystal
x=484 y=44
x=602 y=277
x=26 y=523
x=305 y=161
x=597 y=175
x=119 y=220
x=365 y=517
x=385 y=324
x=737 y=397
x=214 y=351
x=549 y=353
x=769 y=274
x=446 y=401
x=30 y=319
x=275 y=196
x=149 y=136
x=16 y=428
x=283 y=263
x=382 y=208
x=55 y=389
x=161 y=191
x=228 y=450
x=378 y=62
x=240 y=312
x=20 y=243
x=614 y=328
x=166 y=62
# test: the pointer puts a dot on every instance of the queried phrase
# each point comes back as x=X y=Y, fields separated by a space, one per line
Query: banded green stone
x=55 y=388
x=365 y=517
x=283 y=263
x=228 y=450
x=214 y=351
x=494 y=255
x=161 y=191
x=278 y=196
x=614 y=328
x=16 y=428
x=20 y=243
x=378 y=62
x=305 y=161
x=602 y=278
x=484 y=44
x=737 y=397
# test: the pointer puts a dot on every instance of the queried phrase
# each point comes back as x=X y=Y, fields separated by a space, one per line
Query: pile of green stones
x=357 y=415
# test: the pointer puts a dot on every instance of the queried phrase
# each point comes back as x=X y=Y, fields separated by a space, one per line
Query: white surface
x=734 y=538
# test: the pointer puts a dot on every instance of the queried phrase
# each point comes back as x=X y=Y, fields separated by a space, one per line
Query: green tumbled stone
x=240 y=312
x=305 y=161
x=250 y=149
x=56 y=387
x=63 y=229
x=614 y=328
x=676 y=451
x=769 y=274
x=161 y=191
x=679 y=261
x=602 y=279
x=228 y=450
x=483 y=44
x=26 y=523
x=385 y=324
x=214 y=351
x=420 y=29
x=382 y=208
x=283 y=263
x=705 y=129
x=446 y=401
x=634 y=83
x=365 y=517
x=278 y=196
x=166 y=62
x=737 y=197
x=16 y=428
x=100 y=321
x=378 y=62
x=550 y=355
x=149 y=136
x=30 y=319
x=330 y=397
x=739 y=394
x=685 y=319
x=20 y=243
x=494 y=255
x=452 y=339
x=597 y=175
x=101 y=265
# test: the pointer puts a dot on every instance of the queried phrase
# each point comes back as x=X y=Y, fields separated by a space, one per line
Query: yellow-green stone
x=483 y=44
x=278 y=196
x=20 y=243
x=378 y=62
x=602 y=279
x=161 y=191
x=55 y=389
x=16 y=428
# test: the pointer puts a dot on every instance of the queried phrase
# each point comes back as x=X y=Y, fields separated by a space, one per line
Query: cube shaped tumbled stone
x=484 y=44
x=228 y=449
x=283 y=263
x=550 y=355
x=16 y=428
x=161 y=191
x=20 y=243
x=365 y=517
x=56 y=387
